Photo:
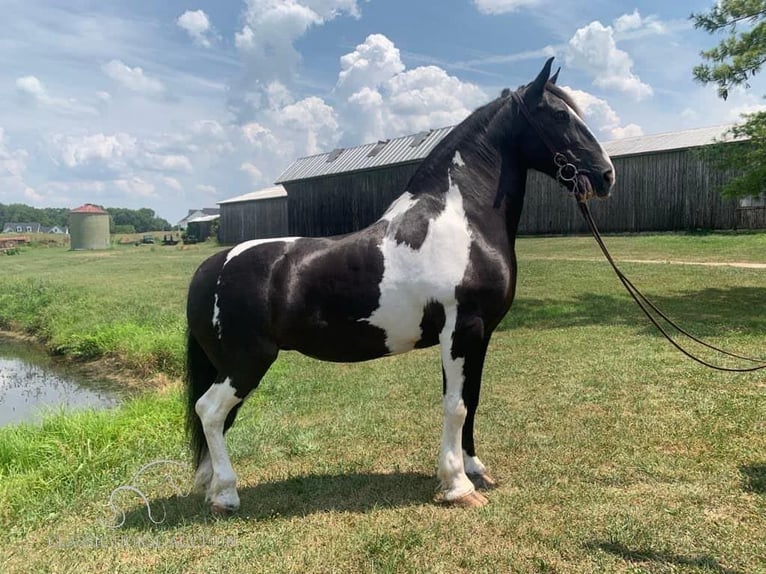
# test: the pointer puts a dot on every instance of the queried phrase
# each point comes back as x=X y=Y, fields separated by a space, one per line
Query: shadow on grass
x=662 y=559
x=706 y=312
x=296 y=496
x=754 y=477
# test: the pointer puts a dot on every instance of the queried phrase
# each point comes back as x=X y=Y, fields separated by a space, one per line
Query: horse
x=438 y=267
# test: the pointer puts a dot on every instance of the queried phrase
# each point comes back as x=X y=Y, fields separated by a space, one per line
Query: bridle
x=568 y=174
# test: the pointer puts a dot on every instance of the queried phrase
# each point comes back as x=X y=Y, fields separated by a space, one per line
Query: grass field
x=613 y=453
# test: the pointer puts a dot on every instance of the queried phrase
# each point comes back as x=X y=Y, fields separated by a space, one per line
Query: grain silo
x=89 y=227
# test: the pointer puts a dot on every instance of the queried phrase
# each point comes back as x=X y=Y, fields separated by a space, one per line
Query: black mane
x=469 y=137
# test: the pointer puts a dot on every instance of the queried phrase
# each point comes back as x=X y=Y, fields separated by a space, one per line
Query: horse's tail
x=200 y=374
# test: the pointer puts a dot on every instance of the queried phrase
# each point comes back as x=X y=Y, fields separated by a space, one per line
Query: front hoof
x=482 y=481
x=223 y=510
x=470 y=500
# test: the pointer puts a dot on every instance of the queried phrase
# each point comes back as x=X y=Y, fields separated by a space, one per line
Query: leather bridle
x=568 y=175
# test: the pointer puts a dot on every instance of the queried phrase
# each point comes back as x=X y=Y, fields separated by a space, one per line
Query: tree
x=736 y=59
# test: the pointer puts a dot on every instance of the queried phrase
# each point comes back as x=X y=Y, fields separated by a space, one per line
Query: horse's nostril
x=609 y=177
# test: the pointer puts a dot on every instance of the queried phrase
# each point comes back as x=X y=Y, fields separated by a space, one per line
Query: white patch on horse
x=212 y=409
x=473 y=465
x=245 y=245
x=401 y=204
x=236 y=251
x=412 y=278
x=605 y=155
x=452 y=478
x=458 y=160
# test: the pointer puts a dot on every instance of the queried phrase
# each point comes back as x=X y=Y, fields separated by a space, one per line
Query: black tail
x=200 y=374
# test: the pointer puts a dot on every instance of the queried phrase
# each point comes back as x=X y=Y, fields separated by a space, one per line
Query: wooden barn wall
x=342 y=203
x=253 y=220
x=668 y=191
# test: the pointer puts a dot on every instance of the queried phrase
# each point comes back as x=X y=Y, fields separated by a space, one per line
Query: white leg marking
x=473 y=465
x=412 y=278
x=204 y=474
x=452 y=478
x=212 y=409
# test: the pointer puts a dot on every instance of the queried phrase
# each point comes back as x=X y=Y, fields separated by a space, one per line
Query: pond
x=31 y=385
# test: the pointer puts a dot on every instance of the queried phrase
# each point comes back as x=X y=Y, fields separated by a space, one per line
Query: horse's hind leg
x=216 y=409
x=474 y=468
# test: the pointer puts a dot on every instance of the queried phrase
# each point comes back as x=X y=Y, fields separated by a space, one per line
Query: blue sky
x=177 y=105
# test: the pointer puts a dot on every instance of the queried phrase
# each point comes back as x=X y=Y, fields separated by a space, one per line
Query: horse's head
x=552 y=137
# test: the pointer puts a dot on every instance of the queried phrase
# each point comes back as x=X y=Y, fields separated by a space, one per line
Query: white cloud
x=634 y=21
x=32 y=91
x=271 y=27
x=593 y=49
x=133 y=79
x=390 y=101
x=503 y=6
x=197 y=25
x=601 y=117
x=136 y=186
x=372 y=62
x=13 y=168
x=207 y=190
x=252 y=170
x=110 y=150
x=171 y=183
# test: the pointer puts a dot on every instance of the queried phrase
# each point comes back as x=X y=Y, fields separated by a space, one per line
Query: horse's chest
x=416 y=279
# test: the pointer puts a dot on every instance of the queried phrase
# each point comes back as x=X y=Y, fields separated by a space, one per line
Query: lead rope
x=645 y=304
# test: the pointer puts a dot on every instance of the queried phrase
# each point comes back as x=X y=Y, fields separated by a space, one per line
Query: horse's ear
x=535 y=90
x=555 y=76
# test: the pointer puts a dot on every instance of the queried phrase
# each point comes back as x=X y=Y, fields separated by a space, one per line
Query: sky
x=177 y=105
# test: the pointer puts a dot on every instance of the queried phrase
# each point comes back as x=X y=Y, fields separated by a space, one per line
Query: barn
x=255 y=215
x=663 y=184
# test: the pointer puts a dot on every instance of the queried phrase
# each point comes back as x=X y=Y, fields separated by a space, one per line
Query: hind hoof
x=470 y=500
x=482 y=481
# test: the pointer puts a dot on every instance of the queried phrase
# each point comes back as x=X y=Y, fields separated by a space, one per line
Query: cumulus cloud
x=594 y=50
x=13 y=168
x=503 y=6
x=601 y=117
x=133 y=79
x=197 y=25
x=136 y=187
x=635 y=22
x=372 y=62
x=390 y=101
x=32 y=91
x=271 y=27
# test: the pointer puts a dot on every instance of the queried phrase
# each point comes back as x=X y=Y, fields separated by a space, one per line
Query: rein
x=567 y=175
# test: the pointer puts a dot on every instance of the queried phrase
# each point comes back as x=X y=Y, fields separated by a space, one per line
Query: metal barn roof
x=384 y=153
x=667 y=141
x=267 y=193
x=406 y=149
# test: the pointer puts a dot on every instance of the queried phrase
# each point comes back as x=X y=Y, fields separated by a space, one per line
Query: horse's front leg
x=461 y=341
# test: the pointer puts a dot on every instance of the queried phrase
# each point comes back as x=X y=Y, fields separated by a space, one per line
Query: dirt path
x=740 y=264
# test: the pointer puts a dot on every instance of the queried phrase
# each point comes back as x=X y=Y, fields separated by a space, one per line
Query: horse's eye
x=561 y=116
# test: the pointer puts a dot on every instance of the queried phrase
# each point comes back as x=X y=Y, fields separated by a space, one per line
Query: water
x=30 y=386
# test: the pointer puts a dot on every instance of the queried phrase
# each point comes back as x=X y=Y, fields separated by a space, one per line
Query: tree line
x=121 y=220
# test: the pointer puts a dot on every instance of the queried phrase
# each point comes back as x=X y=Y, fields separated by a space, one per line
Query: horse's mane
x=469 y=136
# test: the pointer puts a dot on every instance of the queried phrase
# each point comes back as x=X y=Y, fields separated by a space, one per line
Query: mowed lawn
x=612 y=452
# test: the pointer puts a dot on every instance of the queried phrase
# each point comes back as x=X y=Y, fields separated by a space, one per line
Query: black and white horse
x=437 y=268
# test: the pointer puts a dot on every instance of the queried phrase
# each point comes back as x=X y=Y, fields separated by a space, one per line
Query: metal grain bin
x=88 y=228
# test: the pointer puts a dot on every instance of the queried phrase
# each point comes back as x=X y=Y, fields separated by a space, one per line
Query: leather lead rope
x=647 y=307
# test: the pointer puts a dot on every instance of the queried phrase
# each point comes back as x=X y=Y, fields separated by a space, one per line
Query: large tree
x=738 y=57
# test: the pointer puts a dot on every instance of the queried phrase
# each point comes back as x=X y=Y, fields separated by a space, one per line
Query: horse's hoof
x=482 y=481
x=470 y=500
x=222 y=510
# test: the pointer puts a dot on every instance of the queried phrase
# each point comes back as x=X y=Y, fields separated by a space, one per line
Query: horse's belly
x=339 y=341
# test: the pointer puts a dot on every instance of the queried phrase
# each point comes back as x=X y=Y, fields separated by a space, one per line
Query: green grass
x=613 y=453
